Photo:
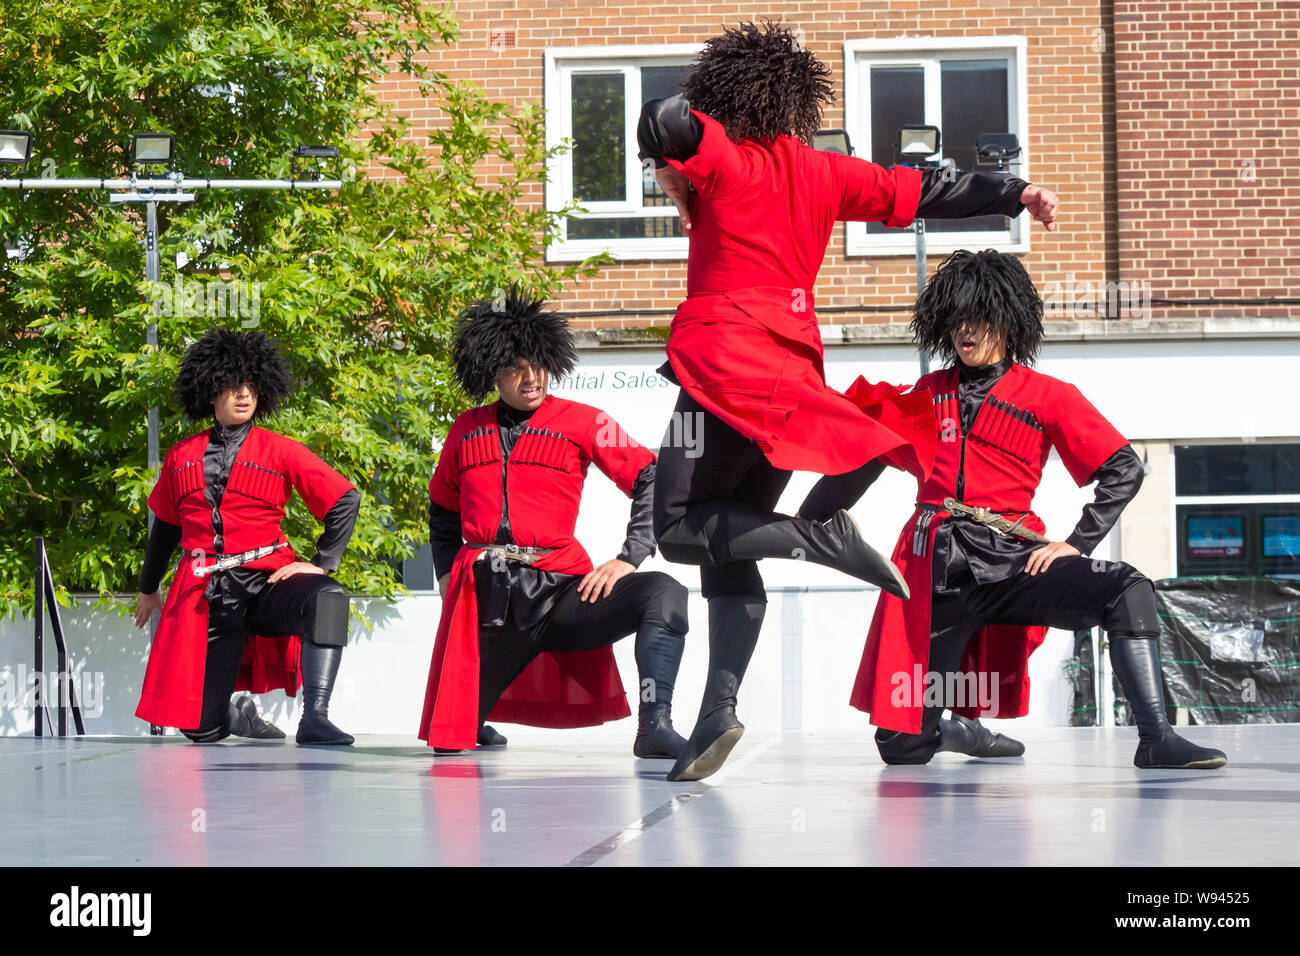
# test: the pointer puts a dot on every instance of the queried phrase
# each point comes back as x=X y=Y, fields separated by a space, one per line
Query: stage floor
x=580 y=798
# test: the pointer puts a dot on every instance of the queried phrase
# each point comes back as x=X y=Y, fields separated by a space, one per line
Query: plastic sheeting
x=1081 y=671
x=1230 y=648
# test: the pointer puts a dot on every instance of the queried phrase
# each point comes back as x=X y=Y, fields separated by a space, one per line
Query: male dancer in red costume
x=242 y=612
x=745 y=346
x=982 y=598
x=527 y=623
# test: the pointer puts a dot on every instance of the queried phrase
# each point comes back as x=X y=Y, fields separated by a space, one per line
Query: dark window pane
x=1237 y=469
x=599 y=152
x=660 y=81
x=974 y=101
x=897 y=99
x=652 y=227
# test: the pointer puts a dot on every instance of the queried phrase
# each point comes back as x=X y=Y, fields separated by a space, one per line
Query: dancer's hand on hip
x=598 y=583
x=298 y=567
x=677 y=187
x=1041 y=204
x=1042 y=558
x=146 y=604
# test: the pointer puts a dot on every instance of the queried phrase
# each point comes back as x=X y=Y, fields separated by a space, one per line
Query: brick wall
x=1068 y=100
x=1208 y=151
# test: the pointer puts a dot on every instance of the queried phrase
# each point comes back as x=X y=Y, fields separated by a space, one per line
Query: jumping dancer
x=745 y=345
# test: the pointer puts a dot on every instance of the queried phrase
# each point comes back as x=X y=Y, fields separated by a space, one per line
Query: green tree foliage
x=359 y=287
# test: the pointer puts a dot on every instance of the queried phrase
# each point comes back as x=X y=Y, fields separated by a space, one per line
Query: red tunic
x=266 y=470
x=1003 y=466
x=745 y=343
x=542 y=482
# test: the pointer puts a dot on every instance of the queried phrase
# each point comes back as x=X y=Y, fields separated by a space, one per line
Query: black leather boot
x=734 y=623
x=963 y=736
x=658 y=656
x=246 y=722
x=834 y=543
x=489 y=737
x=1137 y=665
x=320 y=665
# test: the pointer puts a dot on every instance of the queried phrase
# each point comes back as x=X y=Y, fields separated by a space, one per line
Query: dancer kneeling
x=527 y=623
x=985 y=583
x=242 y=612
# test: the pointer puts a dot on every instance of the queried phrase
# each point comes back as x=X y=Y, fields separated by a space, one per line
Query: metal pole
x=38 y=579
x=919 y=228
x=67 y=691
x=152 y=273
x=170 y=185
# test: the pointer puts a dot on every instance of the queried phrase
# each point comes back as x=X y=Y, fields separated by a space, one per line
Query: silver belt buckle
x=518 y=553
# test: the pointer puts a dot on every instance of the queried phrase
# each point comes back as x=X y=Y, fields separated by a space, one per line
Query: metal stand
x=918 y=227
x=44 y=585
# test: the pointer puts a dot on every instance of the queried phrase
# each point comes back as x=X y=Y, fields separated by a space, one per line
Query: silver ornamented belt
x=995 y=521
x=225 y=562
x=512 y=552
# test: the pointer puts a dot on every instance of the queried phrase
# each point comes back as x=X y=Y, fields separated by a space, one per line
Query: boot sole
x=714 y=756
x=1214 y=763
x=335 y=742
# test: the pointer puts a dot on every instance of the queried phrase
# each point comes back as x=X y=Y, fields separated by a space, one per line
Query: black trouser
x=728 y=467
x=642 y=597
x=1074 y=593
x=247 y=604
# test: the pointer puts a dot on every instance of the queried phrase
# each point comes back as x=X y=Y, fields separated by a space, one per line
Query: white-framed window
x=593 y=96
x=963 y=85
x=1237 y=508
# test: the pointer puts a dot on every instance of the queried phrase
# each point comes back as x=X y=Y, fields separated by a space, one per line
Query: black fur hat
x=224 y=359
x=760 y=83
x=977 y=287
x=492 y=334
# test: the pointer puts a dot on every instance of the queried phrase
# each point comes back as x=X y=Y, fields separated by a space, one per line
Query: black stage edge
x=232 y=905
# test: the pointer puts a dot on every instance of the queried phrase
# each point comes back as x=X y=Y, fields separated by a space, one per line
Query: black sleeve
x=667 y=128
x=444 y=537
x=339 y=522
x=833 y=492
x=969 y=194
x=1118 y=480
x=640 y=541
x=163 y=538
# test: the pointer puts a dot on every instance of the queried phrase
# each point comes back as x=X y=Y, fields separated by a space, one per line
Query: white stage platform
x=580 y=798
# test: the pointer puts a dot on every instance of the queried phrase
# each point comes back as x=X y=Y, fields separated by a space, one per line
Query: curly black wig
x=760 y=83
x=492 y=334
x=224 y=359
x=971 y=288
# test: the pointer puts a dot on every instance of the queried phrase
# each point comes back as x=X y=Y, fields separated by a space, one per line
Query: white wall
x=803 y=670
